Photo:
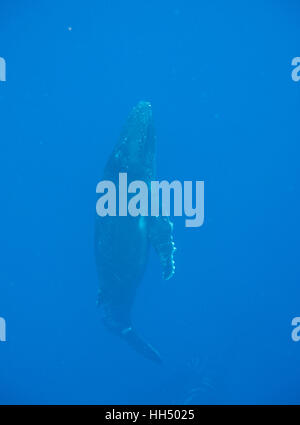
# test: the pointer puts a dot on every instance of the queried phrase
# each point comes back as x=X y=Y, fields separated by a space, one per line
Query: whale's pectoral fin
x=161 y=237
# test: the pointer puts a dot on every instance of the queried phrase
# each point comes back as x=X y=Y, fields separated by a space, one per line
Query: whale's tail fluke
x=139 y=345
x=117 y=320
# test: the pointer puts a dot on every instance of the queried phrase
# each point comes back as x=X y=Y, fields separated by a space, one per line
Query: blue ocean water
x=226 y=111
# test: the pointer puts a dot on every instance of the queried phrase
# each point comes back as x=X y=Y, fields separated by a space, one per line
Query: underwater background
x=226 y=111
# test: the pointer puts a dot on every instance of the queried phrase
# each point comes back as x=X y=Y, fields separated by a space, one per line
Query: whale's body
x=122 y=242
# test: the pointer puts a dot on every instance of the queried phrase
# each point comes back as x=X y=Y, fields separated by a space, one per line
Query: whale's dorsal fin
x=161 y=237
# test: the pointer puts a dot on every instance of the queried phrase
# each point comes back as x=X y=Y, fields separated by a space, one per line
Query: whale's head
x=135 y=151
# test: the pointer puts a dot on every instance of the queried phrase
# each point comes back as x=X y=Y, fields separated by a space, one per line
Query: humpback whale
x=122 y=242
